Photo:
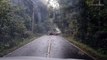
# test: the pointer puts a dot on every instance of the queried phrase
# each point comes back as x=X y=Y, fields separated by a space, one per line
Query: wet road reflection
x=52 y=47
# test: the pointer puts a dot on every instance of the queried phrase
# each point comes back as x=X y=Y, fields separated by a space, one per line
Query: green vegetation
x=15 y=26
x=86 y=22
x=88 y=50
x=96 y=26
x=18 y=45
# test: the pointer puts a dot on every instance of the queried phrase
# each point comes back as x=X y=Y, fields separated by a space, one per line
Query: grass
x=19 y=44
x=88 y=50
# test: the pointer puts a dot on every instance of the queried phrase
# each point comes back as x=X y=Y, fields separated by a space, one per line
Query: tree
x=12 y=27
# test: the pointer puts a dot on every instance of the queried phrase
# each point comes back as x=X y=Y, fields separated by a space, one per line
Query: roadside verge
x=88 y=50
x=24 y=42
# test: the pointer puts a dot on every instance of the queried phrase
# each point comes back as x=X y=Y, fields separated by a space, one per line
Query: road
x=51 y=47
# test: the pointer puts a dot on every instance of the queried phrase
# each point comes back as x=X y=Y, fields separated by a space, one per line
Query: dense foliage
x=14 y=25
x=84 y=21
x=80 y=19
x=97 y=26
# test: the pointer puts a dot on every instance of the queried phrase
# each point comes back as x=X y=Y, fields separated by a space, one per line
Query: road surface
x=51 y=47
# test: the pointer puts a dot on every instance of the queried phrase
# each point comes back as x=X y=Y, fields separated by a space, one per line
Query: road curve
x=51 y=47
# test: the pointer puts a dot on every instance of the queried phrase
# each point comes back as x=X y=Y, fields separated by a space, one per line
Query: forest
x=15 y=25
x=85 y=21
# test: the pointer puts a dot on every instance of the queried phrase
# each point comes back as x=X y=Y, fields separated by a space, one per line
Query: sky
x=52 y=3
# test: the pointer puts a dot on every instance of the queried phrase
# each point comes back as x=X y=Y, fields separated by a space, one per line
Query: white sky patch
x=52 y=3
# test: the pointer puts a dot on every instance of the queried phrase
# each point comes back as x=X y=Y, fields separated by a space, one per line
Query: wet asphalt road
x=51 y=47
